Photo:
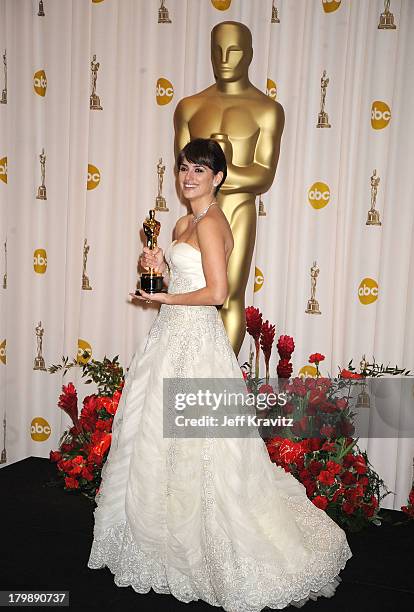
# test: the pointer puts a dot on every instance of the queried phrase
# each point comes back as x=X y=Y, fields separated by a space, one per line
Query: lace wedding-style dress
x=204 y=518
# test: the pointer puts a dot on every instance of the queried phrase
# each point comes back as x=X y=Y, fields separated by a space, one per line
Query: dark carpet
x=47 y=535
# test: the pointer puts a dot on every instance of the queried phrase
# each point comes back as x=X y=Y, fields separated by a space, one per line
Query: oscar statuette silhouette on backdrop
x=248 y=125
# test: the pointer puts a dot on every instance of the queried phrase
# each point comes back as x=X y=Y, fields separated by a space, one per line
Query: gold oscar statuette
x=85 y=280
x=261 y=211
x=363 y=399
x=373 y=214
x=163 y=16
x=151 y=281
x=3 y=99
x=39 y=362
x=41 y=12
x=160 y=202
x=41 y=190
x=5 y=266
x=3 y=457
x=323 y=120
x=248 y=126
x=386 y=21
x=94 y=100
x=275 y=16
x=313 y=304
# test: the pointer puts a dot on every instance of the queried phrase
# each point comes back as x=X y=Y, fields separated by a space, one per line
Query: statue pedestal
x=313 y=307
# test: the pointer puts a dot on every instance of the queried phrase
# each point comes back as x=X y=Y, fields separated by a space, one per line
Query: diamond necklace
x=203 y=212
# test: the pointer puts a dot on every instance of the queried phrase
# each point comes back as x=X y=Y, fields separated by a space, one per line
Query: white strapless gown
x=204 y=518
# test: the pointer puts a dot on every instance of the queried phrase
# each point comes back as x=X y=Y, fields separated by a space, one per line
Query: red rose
x=288 y=408
x=266 y=389
x=326 y=478
x=363 y=480
x=316 y=358
x=340 y=491
x=320 y=501
x=310 y=488
x=342 y=403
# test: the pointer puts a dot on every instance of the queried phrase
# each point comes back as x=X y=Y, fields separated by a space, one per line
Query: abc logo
x=368 y=291
x=380 y=115
x=40 y=429
x=221 y=5
x=3 y=351
x=318 y=195
x=84 y=351
x=164 y=92
x=329 y=6
x=40 y=82
x=258 y=279
x=94 y=177
x=307 y=370
x=96 y=1
x=3 y=169
x=271 y=90
x=40 y=261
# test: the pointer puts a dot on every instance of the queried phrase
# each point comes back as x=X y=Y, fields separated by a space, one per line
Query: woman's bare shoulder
x=181 y=225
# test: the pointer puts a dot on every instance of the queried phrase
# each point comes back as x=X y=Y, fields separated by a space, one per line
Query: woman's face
x=196 y=181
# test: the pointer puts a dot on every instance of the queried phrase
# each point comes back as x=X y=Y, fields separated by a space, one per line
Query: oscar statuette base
x=95 y=103
x=313 y=307
x=3 y=99
x=41 y=193
x=39 y=364
x=161 y=204
x=373 y=218
x=151 y=282
x=323 y=121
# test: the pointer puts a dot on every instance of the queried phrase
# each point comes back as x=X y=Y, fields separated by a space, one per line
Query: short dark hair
x=205 y=152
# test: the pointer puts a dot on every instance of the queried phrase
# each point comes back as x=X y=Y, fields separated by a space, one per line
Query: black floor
x=46 y=535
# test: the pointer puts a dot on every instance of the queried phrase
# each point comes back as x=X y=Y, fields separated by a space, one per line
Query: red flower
x=348 y=478
x=68 y=401
x=327 y=431
x=87 y=473
x=254 y=322
x=316 y=358
x=348 y=374
x=285 y=347
x=267 y=336
x=315 y=467
x=55 y=456
x=284 y=368
x=368 y=510
x=328 y=446
x=348 y=508
x=266 y=389
x=110 y=403
x=71 y=483
x=320 y=501
x=326 y=478
x=360 y=465
x=333 y=467
x=342 y=403
x=104 y=425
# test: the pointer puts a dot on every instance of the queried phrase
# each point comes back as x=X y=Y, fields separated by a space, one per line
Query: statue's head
x=231 y=50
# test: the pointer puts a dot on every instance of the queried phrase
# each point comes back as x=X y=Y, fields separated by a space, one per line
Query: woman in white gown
x=203 y=518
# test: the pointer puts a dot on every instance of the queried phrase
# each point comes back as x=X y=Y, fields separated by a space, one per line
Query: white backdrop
x=369 y=71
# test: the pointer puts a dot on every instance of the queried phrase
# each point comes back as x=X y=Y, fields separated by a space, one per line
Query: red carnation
x=333 y=467
x=71 y=483
x=320 y=501
x=326 y=478
x=316 y=358
x=285 y=347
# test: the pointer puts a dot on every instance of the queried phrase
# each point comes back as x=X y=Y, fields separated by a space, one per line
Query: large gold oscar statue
x=248 y=125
